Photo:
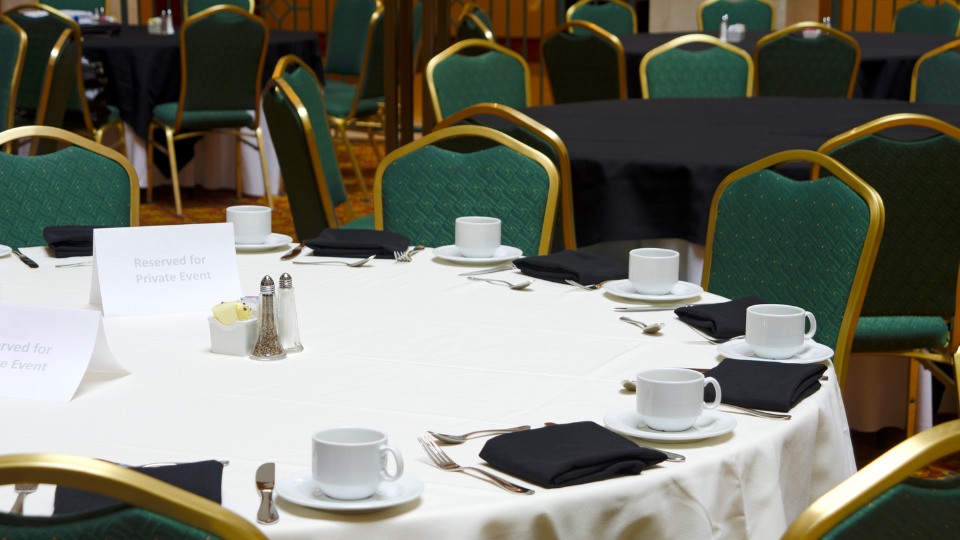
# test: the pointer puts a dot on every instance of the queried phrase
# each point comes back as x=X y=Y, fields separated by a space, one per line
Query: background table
x=409 y=348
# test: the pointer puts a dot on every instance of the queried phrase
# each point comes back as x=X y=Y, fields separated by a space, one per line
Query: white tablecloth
x=412 y=347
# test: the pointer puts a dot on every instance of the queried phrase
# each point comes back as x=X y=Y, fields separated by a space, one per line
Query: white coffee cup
x=671 y=399
x=251 y=224
x=349 y=463
x=477 y=237
x=654 y=270
x=775 y=331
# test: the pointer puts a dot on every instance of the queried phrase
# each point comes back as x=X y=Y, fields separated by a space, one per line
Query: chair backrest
x=809 y=244
x=83 y=184
x=587 y=67
x=42 y=34
x=916 y=18
x=162 y=510
x=79 y=5
x=722 y=70
x=936 y=76
x=371 y=76
x=222 y=50
x=192 y=7
x=614 y=16
x=294 y=108
x=13 y=40
x=474 y=23
x=754 y=14
x=457 y=81
x=421 y=189
x=58 y=82
x=348 y=36
x=792 y=65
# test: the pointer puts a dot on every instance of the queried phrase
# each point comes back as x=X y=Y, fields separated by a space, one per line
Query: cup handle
x=716 y=386
x=396 y=455
x=813 y=325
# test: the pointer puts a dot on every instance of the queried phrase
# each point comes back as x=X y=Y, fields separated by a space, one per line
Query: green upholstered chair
x=586 y=67
x=883 y=500
x=80 y=5
x=754 y=14
x=936 y=76
x=223 y=49
x=614 y=16
x=347 y=43
x=421 y=189
x=916 y=18
x=457 y=81
x=82 y=184
x=157 y=509
x=196 y=6
x=722 y=70
x=809 y=244
x=474 y=23
x=14 y=40
x=912 y=300
x=789 y=64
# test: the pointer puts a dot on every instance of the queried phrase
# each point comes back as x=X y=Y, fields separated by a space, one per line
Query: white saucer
x=274 y=241
x=810 y=352
x=711 y=423
x=5 y=250
x=681 y=291
x=300 y=488
x=503 y=254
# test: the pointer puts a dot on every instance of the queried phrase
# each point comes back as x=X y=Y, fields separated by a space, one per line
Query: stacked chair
x=754 y=14
x=936 y=76
x=792 y=65
x=916 y=18
x=614 y=16
x=586 y=67
x=723 y=70
x=474 y=23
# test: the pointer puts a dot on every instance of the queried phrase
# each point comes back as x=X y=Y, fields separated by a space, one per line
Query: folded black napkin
x=358 y=243
x=770 y=386
x=724 y=320
x=70 y=240
x=584 y=268
x=203 y=478
x=567 y=454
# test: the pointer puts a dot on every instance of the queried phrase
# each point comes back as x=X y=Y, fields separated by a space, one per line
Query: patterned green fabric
x=125 y=524
x=491 y=77
x=789 y=242
x=192 y=7
x=581 y=68
x=468 y=29
x=426 y=190
x=42 y=34
x=82 y=5
x=365 y=222
x=612 y=17
x=714 y=72
x=70 y=187
x=800 y=67
x=338 y=105
x=938 y=79
x=10 y=44
x=878 y=334
x=333 y=86
x=348 y=36
x=920 y=19
x=166 y=113
x=753 y=14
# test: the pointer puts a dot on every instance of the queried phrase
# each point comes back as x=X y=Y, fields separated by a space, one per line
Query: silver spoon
x=647 y=328
x=516 y=287
x=460 y=439
x=353 y=264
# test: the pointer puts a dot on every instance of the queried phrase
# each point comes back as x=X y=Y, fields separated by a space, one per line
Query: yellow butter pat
x=230 y=312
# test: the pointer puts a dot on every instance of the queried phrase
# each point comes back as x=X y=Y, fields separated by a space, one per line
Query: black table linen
x=358 y=243
x=724 y=320
x=768 y=386
x=70 y=240
x=580 y=266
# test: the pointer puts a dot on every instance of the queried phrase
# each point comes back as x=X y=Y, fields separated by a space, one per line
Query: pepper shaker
x=288 y=324
x=169 y=23
x=268 y=345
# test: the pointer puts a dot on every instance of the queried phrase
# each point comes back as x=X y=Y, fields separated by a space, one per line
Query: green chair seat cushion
x=714 y=72
x=166 y=114
x=339 y=104
x=338 y=87
x=879 y=334
x=127 y=524
x=365 y=222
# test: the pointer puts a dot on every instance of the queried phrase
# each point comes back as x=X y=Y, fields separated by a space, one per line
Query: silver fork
x=22 y=491
x=444 y=462
x=85 y=263
x=588 y=287
x=407 y=256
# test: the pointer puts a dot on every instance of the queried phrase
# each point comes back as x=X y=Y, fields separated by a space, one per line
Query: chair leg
x=373 y=143
x=150 y=162
x=353 y=160
x=239 y=169
x=263 y=165
x=912 y=397
x=122 y=134
x=174 y=174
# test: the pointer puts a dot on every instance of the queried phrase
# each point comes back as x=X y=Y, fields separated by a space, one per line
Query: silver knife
x=490 y=270
x=26 y=260
x=652 y=308
x=267 y=513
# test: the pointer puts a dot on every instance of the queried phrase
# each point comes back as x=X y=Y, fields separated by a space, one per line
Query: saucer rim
x=793 y=360
x=623 y=412
x=477 y=261
x=669 y=297
x=266 y=245
x=351 y=507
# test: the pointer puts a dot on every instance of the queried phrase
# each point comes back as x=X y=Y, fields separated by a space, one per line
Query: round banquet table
x=886 y=60
x=414 y=347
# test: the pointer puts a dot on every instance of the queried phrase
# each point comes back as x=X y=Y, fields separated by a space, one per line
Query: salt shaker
x=268 y=345
x=826 y=22
x=723 y=27
x=169 y=24
x=289 y=327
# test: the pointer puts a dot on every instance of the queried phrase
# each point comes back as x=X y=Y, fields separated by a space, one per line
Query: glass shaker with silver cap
x=268 y=345
x=288 y=324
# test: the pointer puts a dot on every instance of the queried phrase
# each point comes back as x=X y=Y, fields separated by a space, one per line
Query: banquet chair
x=535 y=135
x=421 y=189
x=457 y=81
x=222 y=51
x=83 y=184
x=722 y=70
x=884 y=500
x=80 y=5
x=196 y=6
x=754 y=14
x=346 y=46
x=809 y=244
x=916 y=18
x=936 y=76
x=156 y=509
x=474 y=23
x=911 y=307
x=788 y=64
x=585 y=67
x=14 y=40
x=614 y=16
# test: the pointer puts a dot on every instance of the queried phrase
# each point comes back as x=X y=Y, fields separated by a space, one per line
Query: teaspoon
x=647 y=328
x=361 y=262
x=516 y=287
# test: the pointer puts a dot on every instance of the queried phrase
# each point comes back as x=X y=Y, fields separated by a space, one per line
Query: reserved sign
x=169 y=269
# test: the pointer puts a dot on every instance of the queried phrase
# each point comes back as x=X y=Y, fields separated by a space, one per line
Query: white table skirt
x=412 y=347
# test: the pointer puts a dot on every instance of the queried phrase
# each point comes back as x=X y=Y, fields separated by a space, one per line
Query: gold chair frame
x=868 y=255
x=467 y=13
x=952 y=4
x=186 y=9
x=129 y=486
x=603 y=34
x=459 y=46
x=797 y=28
x=172 y=133
x=17 y=72
x=695 y=38
x=773 y=13
x=573 y=9
x=546 y=235
x=916 y=67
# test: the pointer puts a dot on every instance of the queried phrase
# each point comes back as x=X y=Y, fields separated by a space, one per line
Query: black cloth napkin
x=70 y=240
x=358 y=243
x=724 y=320
x=567 y=454
x=202 y=478
x=584 y=268
x=769 y=386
